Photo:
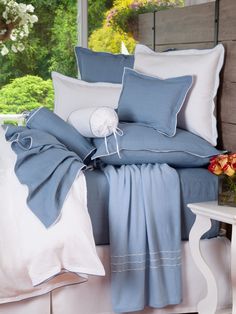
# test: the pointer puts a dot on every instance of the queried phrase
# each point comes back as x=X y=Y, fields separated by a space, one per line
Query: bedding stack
x=165 y=107
x=142 y=129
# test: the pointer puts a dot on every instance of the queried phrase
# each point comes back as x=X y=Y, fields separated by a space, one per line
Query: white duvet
x=33 y=259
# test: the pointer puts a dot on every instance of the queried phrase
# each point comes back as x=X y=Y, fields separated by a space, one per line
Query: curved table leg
x=209 y=304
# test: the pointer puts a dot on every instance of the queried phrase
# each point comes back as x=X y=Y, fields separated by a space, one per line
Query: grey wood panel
x=227 y=26
x=228 y=135
x=227 y=103
x=194 y=24
x=145 y=29
x=230 y=60
x=193 y=27
x=185 y=25
x=205 y=45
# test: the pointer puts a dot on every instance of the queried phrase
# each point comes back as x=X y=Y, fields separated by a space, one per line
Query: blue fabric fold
x=145 y=237
x=47 y=121
x=48 y=169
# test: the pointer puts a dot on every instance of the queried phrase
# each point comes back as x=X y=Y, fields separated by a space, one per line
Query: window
x=25 y=76
x=25 y=79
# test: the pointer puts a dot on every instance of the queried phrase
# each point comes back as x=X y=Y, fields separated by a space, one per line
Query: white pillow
x=94 y=121
x=72 y=94
x=198 y=112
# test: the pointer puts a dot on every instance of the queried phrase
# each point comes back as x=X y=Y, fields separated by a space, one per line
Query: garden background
x=25 y=77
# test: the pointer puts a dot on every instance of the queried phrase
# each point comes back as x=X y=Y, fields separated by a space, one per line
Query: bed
x=94 y=296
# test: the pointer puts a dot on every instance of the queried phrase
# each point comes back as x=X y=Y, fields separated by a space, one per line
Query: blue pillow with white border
x=142 y=144
x=102 y=66
x=153 y=101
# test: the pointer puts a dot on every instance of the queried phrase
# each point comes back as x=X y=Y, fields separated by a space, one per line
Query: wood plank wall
x=193 y=27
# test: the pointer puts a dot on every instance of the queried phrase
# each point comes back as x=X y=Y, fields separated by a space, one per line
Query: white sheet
x=94 y=297
x=33 y=259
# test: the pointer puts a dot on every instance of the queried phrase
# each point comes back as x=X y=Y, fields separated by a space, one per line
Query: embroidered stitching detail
x=143 y=268
x=150 y=253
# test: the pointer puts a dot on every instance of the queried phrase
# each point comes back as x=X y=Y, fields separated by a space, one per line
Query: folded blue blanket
x=47 y=121
x=145 y=237
x=47 y=167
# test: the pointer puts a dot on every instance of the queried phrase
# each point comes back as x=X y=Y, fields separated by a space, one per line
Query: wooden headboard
x=194 y=27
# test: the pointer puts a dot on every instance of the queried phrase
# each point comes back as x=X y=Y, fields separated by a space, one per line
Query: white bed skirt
x=93 y=297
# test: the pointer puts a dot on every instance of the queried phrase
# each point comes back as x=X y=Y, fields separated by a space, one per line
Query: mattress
x=197 y=185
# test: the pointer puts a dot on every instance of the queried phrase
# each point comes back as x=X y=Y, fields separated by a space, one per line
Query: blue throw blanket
x=47 y=167
x=47 y=121
x=145 y=237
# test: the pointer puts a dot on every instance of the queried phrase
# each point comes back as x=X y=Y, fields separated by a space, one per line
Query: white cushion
x=72 y=94
x=94 y=121
x=198 y=112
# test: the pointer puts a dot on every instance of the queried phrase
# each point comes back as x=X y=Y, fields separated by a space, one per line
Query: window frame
x=83 y=23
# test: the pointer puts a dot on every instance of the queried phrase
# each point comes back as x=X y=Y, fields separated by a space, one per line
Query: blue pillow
x=141 y=144
x=47 y=121
x=102 y=66
x=153 y=101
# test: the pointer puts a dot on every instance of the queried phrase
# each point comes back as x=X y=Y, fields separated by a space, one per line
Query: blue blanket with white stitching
x=47 y=167
x=145 y=237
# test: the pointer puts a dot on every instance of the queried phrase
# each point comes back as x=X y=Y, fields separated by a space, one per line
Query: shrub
x=124 y=12
x=26 y=93
x=50 y=43
x=10 y=122
x=109 y=40
x=120 y=23
x=64 y=39
x=96 y=13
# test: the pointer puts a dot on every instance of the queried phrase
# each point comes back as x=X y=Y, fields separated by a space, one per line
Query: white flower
x=30 y=8
x=33 y=19
x=20 y=15
x=4 y=15
x=20 y=47
x=22 y=34
x=4 y=51
x=13 y=36
x=22 y=7
x=26 y=28
x=14 y=49
x=3 y=31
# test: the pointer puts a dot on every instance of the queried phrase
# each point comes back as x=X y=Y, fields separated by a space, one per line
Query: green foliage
x=50 y=46
x=96 y=13
x=125 y=12
x=120 y=21
x=109 y=40
x=10 y=122
x=64 y=39
x=26 y=93
x=50 y=41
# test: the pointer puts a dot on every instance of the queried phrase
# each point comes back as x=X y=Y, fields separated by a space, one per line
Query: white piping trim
x=33 y=115
x=155 y=151
x=89 y=154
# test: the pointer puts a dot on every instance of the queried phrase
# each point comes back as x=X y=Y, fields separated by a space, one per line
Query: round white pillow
x=94 y=121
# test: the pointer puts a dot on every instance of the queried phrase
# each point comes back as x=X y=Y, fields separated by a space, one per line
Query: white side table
x=206 y=211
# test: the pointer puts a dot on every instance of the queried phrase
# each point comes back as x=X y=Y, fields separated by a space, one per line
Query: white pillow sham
x=198 y=112
x=94 y=121
x=72 y=94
